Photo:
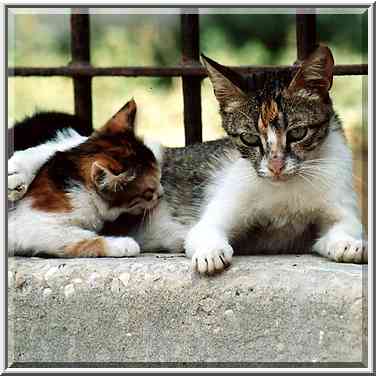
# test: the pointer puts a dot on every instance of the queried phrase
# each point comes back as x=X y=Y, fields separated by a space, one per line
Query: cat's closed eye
x=296 y=134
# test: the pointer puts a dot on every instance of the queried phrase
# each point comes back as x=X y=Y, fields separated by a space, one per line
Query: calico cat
x=281 y=181
x=77 y=190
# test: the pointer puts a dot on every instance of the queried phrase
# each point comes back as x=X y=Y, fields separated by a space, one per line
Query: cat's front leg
x=24 y=164
x=341 y=240
x=209 y=248
x=227 y=209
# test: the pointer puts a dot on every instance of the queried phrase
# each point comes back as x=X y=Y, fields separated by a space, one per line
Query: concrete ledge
x=153 y=309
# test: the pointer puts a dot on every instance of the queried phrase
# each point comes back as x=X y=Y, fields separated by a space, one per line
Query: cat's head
x=125 y=172
x=277 y=120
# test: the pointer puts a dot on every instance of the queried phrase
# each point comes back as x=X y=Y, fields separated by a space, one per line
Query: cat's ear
x=316 y=72
x=105 y=181
x=124 y=119
x=227 y=85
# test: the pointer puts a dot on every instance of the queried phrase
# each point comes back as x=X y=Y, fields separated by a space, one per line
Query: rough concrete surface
x=154 y=309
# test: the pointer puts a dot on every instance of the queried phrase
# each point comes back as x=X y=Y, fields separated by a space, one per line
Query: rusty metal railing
x=190 y=70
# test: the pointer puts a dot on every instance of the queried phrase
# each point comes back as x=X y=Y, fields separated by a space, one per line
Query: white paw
x=19 y=177
x=17 y=185
x=209 y=249
x=122 y=247
x=352 y=250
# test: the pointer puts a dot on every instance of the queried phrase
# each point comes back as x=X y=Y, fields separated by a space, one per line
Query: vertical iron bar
x=191 y=85
x=305 y=34
x=80 y=50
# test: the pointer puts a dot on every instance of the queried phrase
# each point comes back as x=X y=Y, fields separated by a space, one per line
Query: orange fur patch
x=46 y=197
x=269 y=112
x=87 y=248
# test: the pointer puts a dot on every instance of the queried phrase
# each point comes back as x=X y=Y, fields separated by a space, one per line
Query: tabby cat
x=77 y=190
x=281 y=181
x=288 y=183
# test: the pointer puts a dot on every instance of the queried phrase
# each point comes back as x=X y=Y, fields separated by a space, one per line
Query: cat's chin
x=281 y=179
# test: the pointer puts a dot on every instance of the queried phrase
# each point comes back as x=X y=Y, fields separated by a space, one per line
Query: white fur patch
x=272 y=137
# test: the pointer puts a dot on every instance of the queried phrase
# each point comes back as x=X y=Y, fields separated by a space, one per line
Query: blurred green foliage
x=272 y=30
x=134 y=39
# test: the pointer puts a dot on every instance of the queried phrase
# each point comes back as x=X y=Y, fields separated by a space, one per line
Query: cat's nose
x=149 y=194
x=153 y=193
x=276 y=165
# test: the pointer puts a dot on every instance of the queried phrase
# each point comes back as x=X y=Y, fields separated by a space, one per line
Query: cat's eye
x=296 y=134
x=250 y=139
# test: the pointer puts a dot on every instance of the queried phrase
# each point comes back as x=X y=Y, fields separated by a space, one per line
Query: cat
x=280 y=182
x=290 y=178
x=77 y=190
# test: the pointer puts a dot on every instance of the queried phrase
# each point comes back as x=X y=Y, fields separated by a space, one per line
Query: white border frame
x=194 y=3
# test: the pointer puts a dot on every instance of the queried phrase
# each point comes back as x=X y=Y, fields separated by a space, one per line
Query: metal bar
x=191 y=84
x=305 y=34
x=177 y=71
x=80 y=49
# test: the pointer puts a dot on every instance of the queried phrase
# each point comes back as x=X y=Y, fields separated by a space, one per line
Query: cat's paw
x=18 y=176
x=122 y=247
x=352 y=250
x=210 y=250
x=17 y=185
x=209 y=261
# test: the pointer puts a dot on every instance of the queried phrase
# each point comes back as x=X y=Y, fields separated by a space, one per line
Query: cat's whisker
x=142 y=219
x=326 y=167
x=315 y=187
x=326 y=162
x=150 y=216
x=320 y=172
x=324 y=184
x=307 y=180
x=335 y=163
x=323 y=179
x=146 y=218
x=334 y=177
x=331 y=180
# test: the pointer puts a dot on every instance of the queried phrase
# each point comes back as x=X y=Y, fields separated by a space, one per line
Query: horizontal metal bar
x=176 y=71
